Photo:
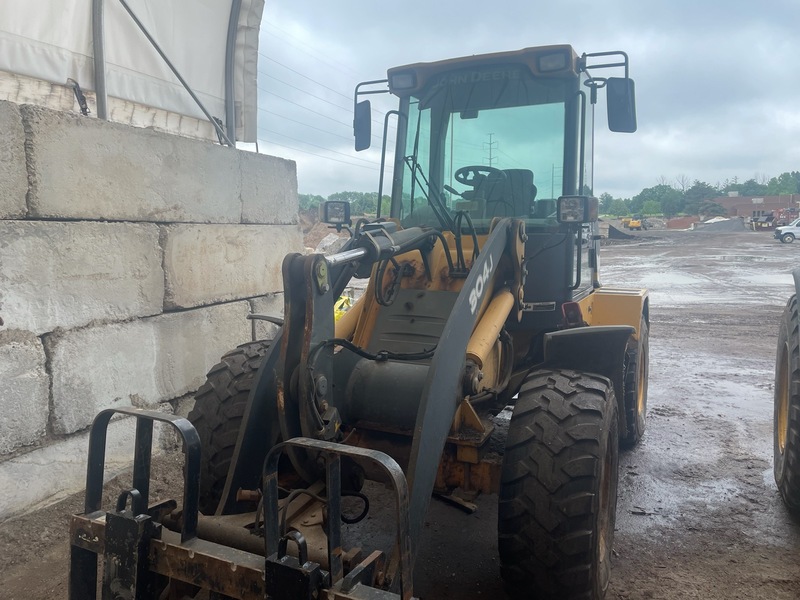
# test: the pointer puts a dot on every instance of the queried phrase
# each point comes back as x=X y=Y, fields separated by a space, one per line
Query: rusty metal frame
x=83 y=559
x=399 y=571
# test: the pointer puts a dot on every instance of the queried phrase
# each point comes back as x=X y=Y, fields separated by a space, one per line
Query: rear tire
x=217 y=416
x=558 y=491
x=786 y=427
x=787 y=238
x=636 y=374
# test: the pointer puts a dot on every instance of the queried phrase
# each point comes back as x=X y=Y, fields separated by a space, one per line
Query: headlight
x=403 y=81
x=557 y=61
x=335 y=212
x=577 y=209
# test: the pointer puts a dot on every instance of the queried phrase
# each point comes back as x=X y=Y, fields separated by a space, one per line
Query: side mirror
x=362 y=125
x=621 y=103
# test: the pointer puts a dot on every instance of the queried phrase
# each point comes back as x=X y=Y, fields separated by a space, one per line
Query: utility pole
x=492 y=146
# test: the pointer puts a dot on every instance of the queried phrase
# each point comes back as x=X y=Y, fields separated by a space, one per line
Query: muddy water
x=699 y=515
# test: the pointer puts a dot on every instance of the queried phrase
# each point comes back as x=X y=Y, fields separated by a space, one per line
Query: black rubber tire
x=635 y=376
x=787 y=238
x=558 y=490
x=786 y=429
x=217 y=415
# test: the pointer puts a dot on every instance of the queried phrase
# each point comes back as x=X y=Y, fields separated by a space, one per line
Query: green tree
x=606 y=200
x=667 y=197
x=695 y=195
x=310 y=201
x=386 y=206
x=618 y=207
x=712 y=209
x=672 y=204
x=785 y=183
x=751 y=187
x=651 y=207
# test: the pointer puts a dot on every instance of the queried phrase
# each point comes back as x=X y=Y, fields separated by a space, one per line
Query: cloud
x=716 y=95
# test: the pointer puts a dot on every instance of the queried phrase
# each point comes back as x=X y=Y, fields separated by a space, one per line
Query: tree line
x=361 y=203
x=696 y=198
x=682 y=196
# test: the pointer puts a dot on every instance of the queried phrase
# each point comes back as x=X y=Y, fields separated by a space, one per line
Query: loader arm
x=442 y=392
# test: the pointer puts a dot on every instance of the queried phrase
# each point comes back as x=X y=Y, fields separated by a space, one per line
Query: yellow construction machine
x=484 y=299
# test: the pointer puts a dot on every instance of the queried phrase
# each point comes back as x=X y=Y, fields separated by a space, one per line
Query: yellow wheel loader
x=483 y=298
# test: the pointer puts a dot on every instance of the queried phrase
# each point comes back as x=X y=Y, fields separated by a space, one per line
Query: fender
x=796 y=276
x=599 y=350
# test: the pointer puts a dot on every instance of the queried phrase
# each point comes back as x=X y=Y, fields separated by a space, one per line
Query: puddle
x=740 y=258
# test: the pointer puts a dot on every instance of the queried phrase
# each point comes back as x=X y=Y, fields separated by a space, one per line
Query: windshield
x=490 y=143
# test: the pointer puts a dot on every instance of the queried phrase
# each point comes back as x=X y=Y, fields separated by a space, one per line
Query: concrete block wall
x=129 y=261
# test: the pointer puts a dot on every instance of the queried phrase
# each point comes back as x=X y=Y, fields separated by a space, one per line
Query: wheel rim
x=782 y=397
x=605 y=506
x=640 y=384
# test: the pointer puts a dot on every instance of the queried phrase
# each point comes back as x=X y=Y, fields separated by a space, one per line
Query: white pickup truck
x=787 y=233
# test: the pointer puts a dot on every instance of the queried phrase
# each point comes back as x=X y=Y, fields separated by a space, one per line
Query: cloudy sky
x=718 y=89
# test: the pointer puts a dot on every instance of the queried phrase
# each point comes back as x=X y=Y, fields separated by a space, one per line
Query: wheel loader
x=484 y=357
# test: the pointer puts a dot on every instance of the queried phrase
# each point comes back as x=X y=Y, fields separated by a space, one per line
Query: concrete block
x=139 y=363
x=101 y=367
x=271 y=305
x=48 y=474
x=269 y=189
x=88 y=168
x=191 y=342
x=13 y=172
x=24 y=390
x=69 y=274
x=204 y=264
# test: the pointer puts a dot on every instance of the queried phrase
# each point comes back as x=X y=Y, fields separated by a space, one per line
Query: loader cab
x=505 y=135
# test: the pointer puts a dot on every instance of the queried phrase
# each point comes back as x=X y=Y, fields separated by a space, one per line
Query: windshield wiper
x=432 y=196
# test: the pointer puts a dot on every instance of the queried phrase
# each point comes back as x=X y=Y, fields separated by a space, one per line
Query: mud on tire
x=558 y=491
x=786 y=424
x=217 y=415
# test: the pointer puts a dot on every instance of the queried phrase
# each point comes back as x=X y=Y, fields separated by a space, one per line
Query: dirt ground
x=698 y=513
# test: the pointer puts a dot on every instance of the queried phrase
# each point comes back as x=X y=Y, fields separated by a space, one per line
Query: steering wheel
x=474 y=174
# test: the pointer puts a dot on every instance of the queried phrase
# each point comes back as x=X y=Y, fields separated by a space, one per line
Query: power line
x=305 y=107
x=319 y=155
x=347 y=108
x=319 y=83
x=315 y=145
x=338 y=67
x=305 y=124
x=348 y=125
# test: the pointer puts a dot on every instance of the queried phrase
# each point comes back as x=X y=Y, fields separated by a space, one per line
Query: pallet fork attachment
x=141 y=555
x=123 y=536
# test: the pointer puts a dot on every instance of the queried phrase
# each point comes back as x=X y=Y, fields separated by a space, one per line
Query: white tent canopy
x=210 y=42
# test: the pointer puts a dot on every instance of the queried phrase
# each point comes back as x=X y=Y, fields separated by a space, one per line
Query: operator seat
x=509 y=194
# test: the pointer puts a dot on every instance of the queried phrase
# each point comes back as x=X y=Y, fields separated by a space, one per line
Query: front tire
x=217 y=416
x=636 y=373
x=787 y=238
x=786 y=425
x=558 y=491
